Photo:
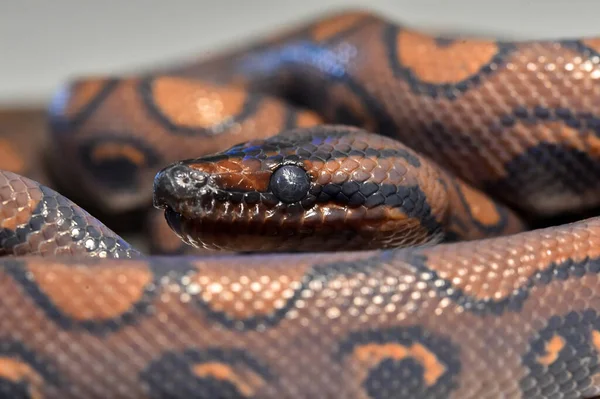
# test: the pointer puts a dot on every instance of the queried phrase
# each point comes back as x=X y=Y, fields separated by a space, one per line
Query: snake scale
x=396 y=182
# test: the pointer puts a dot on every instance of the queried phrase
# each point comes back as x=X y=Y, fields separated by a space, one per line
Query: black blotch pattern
x=119 y=174
x=161 y=268
x=577 y=362
x=485 y=228
x=515 y=300
x=344 y=114
x=14 y=389
x=412 y=258
x=444 y=41
x=411 y=200
x=171 y=375
x=450 y=91
x=343 y=35
x=404 y=378
x=319 y=272
x=249 y=108
x=291 y=118
x=305 y=74
x=21 y=353
x=59 y=124
x=308 y=144
x=580 y=46
x=547 y=170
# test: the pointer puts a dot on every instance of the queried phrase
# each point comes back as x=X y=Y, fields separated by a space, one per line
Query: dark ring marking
x=571 y=178
x=487 y=229
x=354 y=28
x=541 y=155
x=450 y=91
x=533 y=115
x=513 y=302
x=322 y=273
x=307 y=145
x=580 y=47
x=412 y=258
x=386 y=125
x=17 y=269
x=119 y=173
x=403 y=375
x=18 y=352
x=560 y=180
x=411 y=200
x=251 y=105
x=61 y=123
x=171 y=375
x=304 y=53
x=291 y=118
x=563 y=357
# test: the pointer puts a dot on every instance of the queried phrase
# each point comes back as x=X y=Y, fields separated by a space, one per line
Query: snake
x=348 y=209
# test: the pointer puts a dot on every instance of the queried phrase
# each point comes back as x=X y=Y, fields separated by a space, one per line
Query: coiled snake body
x=477 y=141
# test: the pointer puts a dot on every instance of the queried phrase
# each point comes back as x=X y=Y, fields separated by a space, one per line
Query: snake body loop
x=408 y=170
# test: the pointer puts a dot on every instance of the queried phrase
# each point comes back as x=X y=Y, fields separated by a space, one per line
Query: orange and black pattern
x=433 y=322
x=350 y=189
x=347 y=133
x=112 y=135
x=491 y=112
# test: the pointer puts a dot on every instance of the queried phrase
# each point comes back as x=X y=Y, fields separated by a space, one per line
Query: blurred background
x=43 y=43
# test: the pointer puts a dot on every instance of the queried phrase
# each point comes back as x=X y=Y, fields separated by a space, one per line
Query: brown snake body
x=511 y=316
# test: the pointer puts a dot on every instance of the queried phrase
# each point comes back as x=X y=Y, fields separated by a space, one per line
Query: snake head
x=332 y=187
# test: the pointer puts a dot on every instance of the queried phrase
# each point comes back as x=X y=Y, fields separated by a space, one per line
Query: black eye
x=290 y=183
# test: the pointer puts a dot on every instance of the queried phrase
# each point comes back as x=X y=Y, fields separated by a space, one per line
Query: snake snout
x=175 y=183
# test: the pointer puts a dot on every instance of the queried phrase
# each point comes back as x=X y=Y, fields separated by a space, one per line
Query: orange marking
x=329 y=27
x=239 y=297
x=236 y=174
x=115 y=150
x=307 y=119
x=256 y=181
x=593 y=145
x=196 y=104
x=481 y=206
x=594 y=44
x=434 y=64
x=92 y=293
x=596 y=339
x=82 y=92
x=555 y=132
x=375 y=353
x=9 y=157
x=18 y=371
x=18 y=210
x=553 y=348
x=246 y=382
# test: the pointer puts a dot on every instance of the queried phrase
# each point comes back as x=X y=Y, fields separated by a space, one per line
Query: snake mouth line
x=174 y=219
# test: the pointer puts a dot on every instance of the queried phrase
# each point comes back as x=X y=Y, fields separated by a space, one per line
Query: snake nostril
x=176 y=182
x=184 y=177
x=162 y=190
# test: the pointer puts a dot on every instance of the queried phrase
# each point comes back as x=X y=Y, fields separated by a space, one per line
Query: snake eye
x=290 y=183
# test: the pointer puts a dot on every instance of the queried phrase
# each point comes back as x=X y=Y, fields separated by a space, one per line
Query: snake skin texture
x=495 y=135
x=504 y=116
x=37 y=220
x=361 y=191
